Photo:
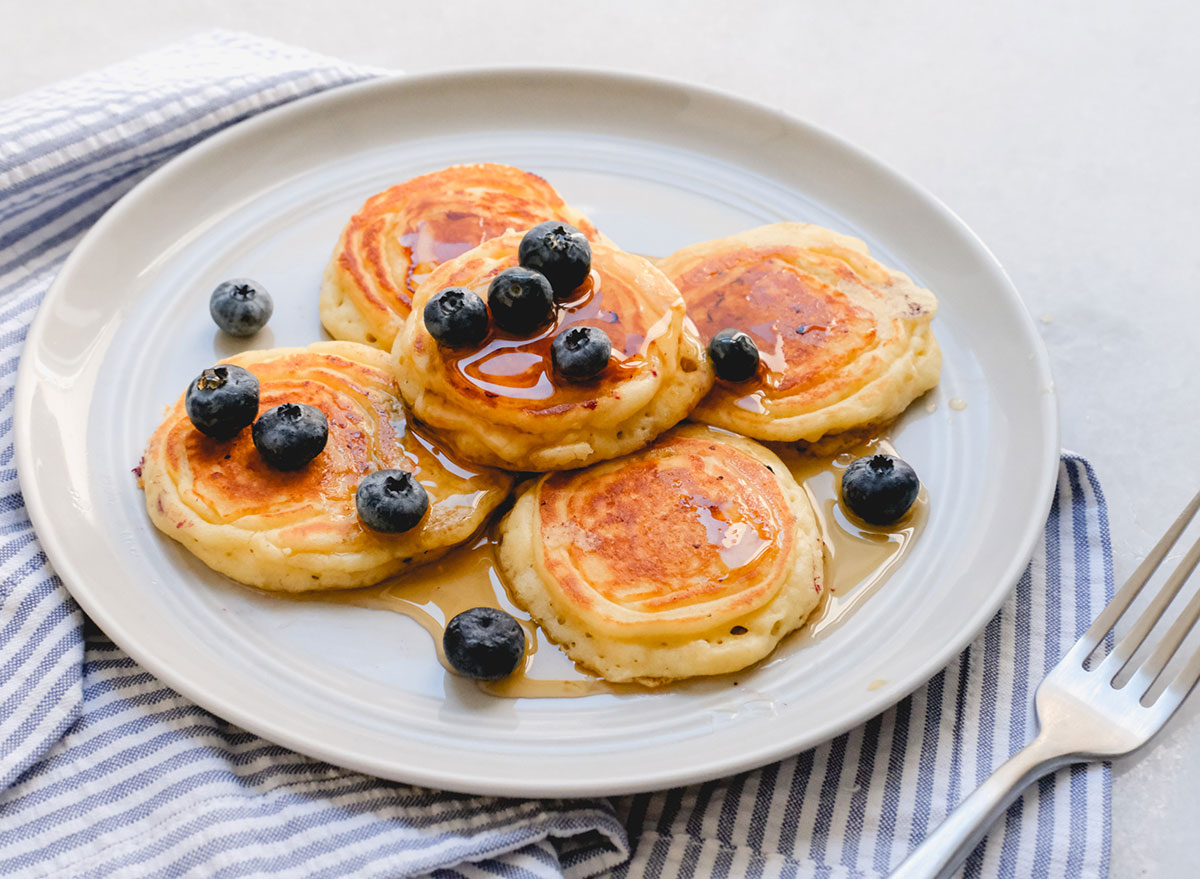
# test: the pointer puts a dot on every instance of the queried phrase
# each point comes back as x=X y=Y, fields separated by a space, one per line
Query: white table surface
x=1067 y=135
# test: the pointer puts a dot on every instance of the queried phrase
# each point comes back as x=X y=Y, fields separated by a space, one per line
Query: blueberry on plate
x=734 y=355
x=580 y=352
x=222 y=400
x=560 y=252
x=521 y=300
x=456 y=318
x=484 y=643
x=240 y=307
x=290 y=435
x=879 y=489
x=390 y=501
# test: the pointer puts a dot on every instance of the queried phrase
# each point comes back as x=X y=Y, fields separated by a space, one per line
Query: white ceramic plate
x=656 y=165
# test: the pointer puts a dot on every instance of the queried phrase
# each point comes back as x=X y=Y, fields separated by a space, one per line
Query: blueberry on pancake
x=560 y=252
x=221 y=401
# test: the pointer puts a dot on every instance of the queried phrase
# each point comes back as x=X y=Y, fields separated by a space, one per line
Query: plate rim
x=872 y=703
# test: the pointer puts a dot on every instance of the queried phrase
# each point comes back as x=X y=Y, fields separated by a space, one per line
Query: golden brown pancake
x=403 y=233
x=694 y=556
x=299 y=530
x=501 y=403
x=844 y=341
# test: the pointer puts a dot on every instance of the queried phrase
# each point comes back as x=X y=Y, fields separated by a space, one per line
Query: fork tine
x=1112 y=611
x=1151 y=615
x=1150 y=670
x=1180 y=687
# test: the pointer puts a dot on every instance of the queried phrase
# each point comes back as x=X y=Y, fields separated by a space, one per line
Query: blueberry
x=879 y=489
x=222 y=400
x=580 y=352
x=390 y=501
x=240 y=307
x=734 y=355
x=521 y=300
x=290 y=435
x=456 y=318
x=484 y=643
x=560 y=252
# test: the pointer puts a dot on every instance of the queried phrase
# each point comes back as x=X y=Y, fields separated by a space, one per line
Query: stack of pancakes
x=648 y=551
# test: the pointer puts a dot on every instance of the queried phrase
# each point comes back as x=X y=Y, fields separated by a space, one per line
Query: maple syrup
x=518 y=367
x=432 y=244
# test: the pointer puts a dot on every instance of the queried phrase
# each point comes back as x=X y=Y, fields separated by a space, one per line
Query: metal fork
x=1082 y=714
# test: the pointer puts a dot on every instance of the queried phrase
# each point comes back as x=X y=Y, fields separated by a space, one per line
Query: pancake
x=403 y=233
x=694 y=556
x=501 y=403
x=845 y=342
x=296 y=531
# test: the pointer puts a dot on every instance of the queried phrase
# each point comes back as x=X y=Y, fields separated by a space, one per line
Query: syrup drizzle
x=519 y=366
x=859 y=559
x=427 y=249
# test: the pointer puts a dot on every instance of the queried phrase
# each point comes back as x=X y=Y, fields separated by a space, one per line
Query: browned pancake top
x=691 y=529
x=806 y=330
x=403 y=233
x=368 y=431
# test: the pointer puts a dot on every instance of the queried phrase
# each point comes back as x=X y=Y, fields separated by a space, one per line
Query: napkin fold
x=106 y=772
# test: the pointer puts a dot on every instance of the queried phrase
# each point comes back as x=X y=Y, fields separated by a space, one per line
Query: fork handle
x=941 y=852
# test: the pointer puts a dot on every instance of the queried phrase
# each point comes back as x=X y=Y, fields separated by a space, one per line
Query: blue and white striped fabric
x=105 y=772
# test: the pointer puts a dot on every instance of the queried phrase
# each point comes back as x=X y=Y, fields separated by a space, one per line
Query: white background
x=1066 y=134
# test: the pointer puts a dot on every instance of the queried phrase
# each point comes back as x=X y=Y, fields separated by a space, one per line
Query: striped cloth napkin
x=105 y=772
